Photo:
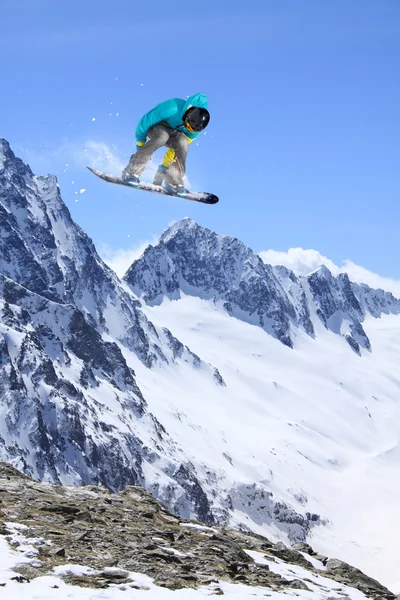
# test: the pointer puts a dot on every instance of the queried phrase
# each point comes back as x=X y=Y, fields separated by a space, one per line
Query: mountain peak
x=193 y=260
x=8 y=161
x=5 y=149
x=322 y=272
x=199 y=262
x=184 y=226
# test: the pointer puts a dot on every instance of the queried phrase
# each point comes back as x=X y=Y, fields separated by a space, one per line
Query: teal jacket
x=170 y=112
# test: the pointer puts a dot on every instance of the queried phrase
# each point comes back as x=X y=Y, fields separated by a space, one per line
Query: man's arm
x=161 y=112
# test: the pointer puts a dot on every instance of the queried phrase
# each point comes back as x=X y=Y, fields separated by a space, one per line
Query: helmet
x=196 y=119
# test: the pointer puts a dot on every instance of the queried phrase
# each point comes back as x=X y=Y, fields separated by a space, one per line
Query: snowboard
x=202 y=197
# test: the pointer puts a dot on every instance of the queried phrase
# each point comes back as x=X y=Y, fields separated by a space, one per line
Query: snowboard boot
x=175 y=189
x=160 y=175
x=129 y=177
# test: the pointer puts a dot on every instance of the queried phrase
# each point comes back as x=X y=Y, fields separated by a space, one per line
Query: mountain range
x=235 y=392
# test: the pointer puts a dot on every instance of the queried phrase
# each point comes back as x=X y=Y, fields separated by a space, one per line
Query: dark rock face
x=115 y=534
x=193 y=260
x=344 y=573
x=343 y=305
x=336 y=303
x=59 y=416
x=185 y=476
x=265 y=509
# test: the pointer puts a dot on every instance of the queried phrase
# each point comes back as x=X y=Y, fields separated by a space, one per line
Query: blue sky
x=303 y=146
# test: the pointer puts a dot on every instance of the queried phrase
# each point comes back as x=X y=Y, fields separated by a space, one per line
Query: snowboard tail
x=203 y=197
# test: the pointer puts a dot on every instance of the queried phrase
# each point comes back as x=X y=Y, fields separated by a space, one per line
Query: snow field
x=317 y=426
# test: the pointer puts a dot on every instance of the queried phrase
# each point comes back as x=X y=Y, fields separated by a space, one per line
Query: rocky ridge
x=110 y=536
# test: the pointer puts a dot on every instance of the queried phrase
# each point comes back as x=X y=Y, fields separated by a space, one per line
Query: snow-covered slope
x=235 y=391
x=316 y=425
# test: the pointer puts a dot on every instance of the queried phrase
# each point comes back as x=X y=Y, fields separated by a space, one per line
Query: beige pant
x=162 y=135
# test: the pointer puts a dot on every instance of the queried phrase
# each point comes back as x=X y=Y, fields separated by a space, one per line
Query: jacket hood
x=198 y=100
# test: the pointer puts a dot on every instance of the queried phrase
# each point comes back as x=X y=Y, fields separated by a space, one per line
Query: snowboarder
x=175 y=124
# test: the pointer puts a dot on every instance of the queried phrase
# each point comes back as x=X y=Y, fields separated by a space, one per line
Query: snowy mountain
x=310 y=416
x=192 y=260
x=71 y=409
x=234 y=391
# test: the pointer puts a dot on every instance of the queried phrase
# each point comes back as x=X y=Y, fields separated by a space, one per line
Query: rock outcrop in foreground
x=111 y=536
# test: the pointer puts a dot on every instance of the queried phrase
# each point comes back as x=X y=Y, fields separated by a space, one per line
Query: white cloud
x=120 y=259
x=303 y=262
x=362 y=275
x=298 y=260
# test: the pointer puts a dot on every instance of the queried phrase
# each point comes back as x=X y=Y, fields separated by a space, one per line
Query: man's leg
x=162 y=170
x=176 y=172
x=159 y=135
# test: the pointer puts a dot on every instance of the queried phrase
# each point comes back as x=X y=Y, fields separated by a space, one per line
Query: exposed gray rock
x=303 y=547
x=265 y=509
x=344 y=573
x=115 y=534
